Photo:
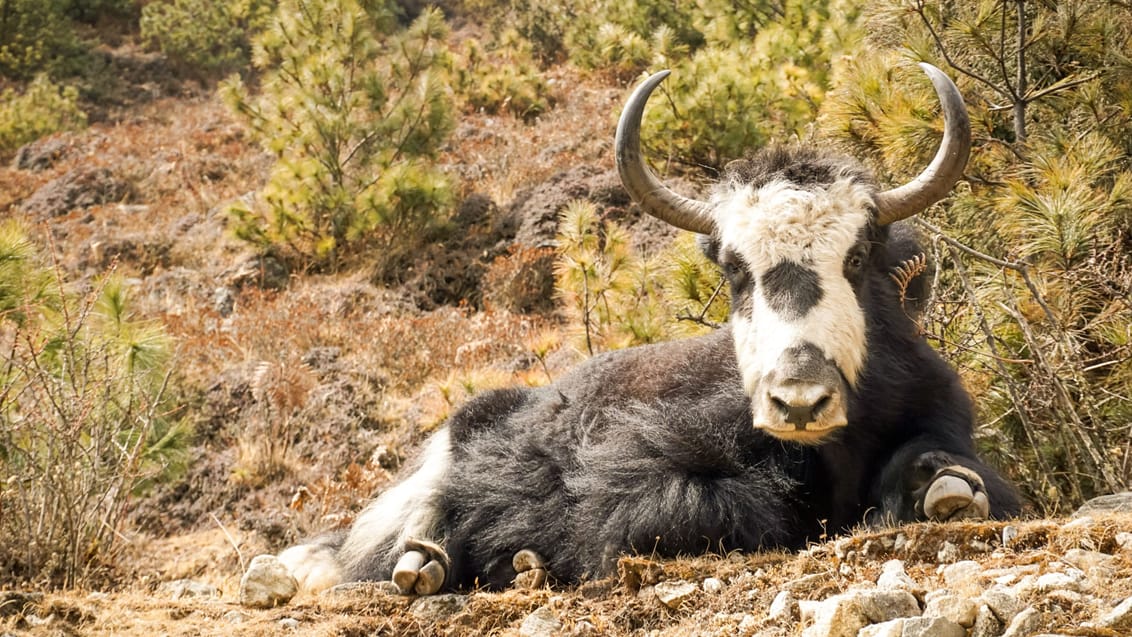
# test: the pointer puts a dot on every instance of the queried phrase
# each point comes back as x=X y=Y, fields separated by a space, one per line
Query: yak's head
x=796 y=234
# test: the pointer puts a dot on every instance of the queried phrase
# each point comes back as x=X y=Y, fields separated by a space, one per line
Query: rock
x=894 y=577
x=267 y=583
x=1002 y=603
x=1024 y=623
x=673 y=594
x=289 y=623
x=948 y=553
x=712 y=585
x=1085 y=560
x=961 y=610
x=881 y=606
x=189 y=589
x=783 y=608
x=894 y=628
x=986 y=623
x=1071 y=580
x=433 y=608
x=583 y=628
x=1124 y=540
x=962 y=575
x=1115 y=503
x=41 y=154
x=932 y=627
x=79 y=188
x=838 y=616
x=1119 y=618
x=1008 y=534
x=362 y=589
x=235 y=617
x=541 y=623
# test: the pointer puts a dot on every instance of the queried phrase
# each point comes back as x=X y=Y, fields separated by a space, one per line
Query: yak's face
x=796 y=257
x=792 y=231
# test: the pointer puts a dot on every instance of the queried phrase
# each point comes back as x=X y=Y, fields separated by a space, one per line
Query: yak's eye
x=855 y=261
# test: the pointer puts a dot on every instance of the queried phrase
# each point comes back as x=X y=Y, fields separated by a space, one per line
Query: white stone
x=1119 y=618
x=289 y=623
x=1085 y=560
x=432 y=608
x=961 y=610
x=783 y=608
x=1008 y=534
x=838 y=616
x=267 y=583
x=962 y=574
x=881 y=606
x=893 y=628
x=673 y=594
x=235 y=617
x=189 y=589
x=948 y=553
x=712 y=585
x=932 y=627
x=986 y=624
x=1124 y=540
x=541 y=623
x=1002 y=603
x=1024 y=623
x=1071 y=580
x=894 y=577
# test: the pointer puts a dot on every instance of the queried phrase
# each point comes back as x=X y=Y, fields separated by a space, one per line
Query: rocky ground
x=1003 y=579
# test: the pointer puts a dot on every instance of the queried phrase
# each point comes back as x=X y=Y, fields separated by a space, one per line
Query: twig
x=231 y=540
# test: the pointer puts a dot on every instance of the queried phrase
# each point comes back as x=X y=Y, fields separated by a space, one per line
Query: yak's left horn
x=654 y=197
x=938 y=178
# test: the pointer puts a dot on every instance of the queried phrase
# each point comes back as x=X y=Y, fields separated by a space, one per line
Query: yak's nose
x=801 y=403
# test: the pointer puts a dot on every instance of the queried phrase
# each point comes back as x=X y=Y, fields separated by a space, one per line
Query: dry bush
x=84 y=420
x=520 y=281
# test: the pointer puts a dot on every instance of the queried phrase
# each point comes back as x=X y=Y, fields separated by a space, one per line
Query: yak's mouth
x=811 y=434
x=801 y=412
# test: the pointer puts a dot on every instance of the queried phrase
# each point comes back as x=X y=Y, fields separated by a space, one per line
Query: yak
x=818 y=406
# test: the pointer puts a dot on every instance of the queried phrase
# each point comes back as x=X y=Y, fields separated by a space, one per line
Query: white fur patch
x=780 y=222
x=409 y=510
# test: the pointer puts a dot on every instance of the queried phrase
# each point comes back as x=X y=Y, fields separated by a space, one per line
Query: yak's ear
x=709 y=244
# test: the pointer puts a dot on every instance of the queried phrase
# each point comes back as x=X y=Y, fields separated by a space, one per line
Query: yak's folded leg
x=422 y=569
x=530 y=569
x=955 y=493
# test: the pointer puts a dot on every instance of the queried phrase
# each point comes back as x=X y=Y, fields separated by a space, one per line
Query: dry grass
x=622 y=605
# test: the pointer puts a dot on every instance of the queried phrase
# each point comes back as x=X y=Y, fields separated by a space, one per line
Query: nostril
x=780 y=405
x=822 y=403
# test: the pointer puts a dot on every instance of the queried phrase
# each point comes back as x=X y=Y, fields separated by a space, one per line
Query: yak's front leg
x=920 y=484
x=949 y=491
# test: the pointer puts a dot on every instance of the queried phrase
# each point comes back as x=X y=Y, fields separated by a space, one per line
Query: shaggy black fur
x=651 y=449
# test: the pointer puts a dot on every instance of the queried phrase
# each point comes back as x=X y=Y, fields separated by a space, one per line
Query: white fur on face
x=816 y=229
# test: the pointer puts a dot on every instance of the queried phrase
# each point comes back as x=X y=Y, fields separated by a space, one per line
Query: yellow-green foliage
x=353 y=108
x=503 y=77
x=615 y=297
x=1043 y=341
x=210 y=36
x=84 y=419
x=43 y=108
x=36 y=36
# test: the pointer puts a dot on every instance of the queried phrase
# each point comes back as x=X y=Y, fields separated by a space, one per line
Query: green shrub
x=614 y=297
x=36 y=36
x=42 y=109
x=504 y=78
x=210 y=36
x=352 y=108
x=84 y=423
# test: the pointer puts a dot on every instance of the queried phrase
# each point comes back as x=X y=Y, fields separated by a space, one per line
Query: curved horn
x=946 y=168
x=654 y=197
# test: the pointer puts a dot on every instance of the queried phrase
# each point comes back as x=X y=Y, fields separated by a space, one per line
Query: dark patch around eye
x=791 y=290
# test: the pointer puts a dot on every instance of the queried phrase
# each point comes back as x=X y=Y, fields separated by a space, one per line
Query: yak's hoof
x=530 y=569
x=422 y=569
x=956 y=493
